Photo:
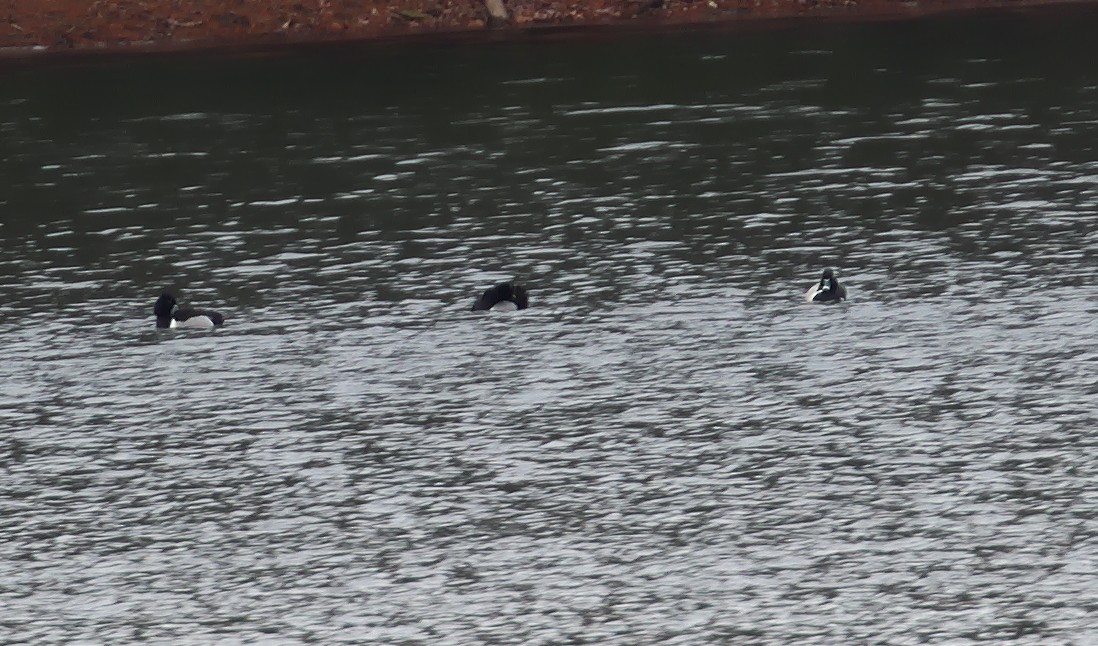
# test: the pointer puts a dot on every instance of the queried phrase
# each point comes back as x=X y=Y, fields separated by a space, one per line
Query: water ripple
x=668 y=447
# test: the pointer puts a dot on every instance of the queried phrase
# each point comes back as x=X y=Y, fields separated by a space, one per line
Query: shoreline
x=36 y=29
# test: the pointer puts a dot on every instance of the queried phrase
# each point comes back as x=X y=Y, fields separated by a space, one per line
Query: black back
x=502 y=292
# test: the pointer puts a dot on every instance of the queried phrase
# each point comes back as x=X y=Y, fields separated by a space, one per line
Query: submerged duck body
x=168 y=316
x=504 y=297
x=828 y=290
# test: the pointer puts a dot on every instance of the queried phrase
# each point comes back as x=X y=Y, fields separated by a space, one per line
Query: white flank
x=201 y=322
x=504 y=306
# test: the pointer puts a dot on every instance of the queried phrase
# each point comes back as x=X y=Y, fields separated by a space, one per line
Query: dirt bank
x=52 y=25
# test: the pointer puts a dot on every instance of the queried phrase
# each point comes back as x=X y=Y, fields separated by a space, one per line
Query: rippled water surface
x=668 y=447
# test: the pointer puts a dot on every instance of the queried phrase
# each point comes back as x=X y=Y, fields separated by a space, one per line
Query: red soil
x=123 y=24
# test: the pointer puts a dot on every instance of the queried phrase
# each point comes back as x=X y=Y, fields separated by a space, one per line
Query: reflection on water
x=670 y=446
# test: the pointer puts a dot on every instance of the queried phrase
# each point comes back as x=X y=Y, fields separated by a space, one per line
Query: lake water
x=669 y=447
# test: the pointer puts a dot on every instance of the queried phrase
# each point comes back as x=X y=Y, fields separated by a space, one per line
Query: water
x=668 y=447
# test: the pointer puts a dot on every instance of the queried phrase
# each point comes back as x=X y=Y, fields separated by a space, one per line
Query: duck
x=504 y=297
x=166 y=317
x=828 y=290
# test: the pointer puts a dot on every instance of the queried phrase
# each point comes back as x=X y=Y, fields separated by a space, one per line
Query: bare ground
x=51 y=25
